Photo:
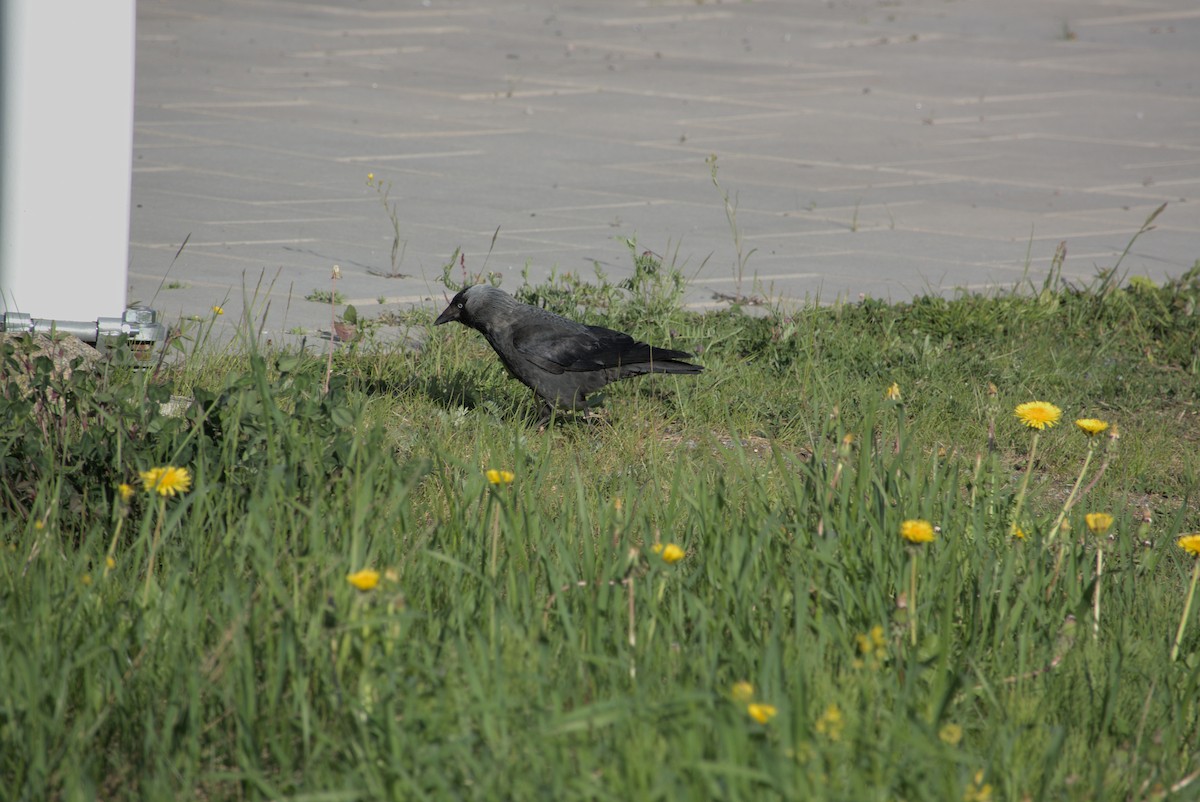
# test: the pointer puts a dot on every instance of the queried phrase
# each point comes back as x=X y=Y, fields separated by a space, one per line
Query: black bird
x=560 y=360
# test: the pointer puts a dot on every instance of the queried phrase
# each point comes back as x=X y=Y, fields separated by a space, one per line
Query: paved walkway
x=879 y=148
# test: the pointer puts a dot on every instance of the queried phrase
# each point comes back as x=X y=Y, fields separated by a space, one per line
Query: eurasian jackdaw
x=560 y=360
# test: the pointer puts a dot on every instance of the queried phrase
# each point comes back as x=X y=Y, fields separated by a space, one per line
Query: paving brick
x=884 y=150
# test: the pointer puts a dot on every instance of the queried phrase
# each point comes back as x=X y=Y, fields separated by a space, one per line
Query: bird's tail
x=672 y=366
x=666 y=360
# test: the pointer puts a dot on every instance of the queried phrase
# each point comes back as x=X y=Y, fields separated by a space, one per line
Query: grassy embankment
x=526 y=641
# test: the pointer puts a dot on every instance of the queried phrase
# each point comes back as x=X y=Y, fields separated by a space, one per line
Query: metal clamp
x=139 y=325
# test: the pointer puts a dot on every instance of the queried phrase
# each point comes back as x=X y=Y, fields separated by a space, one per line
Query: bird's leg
x=593 y=418
x=544 y=419
x=588 y=417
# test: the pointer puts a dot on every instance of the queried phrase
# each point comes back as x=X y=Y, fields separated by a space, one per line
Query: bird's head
x=457 y=310
x=470 y=306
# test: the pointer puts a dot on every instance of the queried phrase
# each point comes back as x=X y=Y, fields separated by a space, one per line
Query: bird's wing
x=558 y=349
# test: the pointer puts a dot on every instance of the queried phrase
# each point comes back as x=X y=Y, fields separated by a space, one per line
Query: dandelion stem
x=494 y=568
x=112 y=546
x=1096 y=594
x=495 y=555
x=337 y=273
x=1071 y=497
x=658 y=597
x=162 y=513
x=1097 y=476
x=632 y=630
x=1187 y=609
x=912 y=601
x=1016 y=517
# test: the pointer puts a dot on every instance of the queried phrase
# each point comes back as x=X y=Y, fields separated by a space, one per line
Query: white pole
x=66 y=141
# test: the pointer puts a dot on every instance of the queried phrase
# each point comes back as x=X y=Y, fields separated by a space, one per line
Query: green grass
x=527 y=643
x=325 y=297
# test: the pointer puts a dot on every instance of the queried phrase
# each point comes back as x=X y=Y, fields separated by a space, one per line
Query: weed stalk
x=1187 y=610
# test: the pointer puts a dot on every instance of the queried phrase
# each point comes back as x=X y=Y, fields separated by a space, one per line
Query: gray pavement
x=886 y=149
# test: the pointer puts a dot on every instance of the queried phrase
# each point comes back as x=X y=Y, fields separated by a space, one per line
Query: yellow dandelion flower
x=873 y=643
x=916 y=530
x=742 y=692
x=1098 y=522
x=893 y=392
x=218 y=310
x=1091 y=426
x=167 y=481
x=1038 y=414
x=831 y=723
x=978 y=791
x=370 y=177
x=500 y=477
x=110 y=563
x=1017 y=532
x=364 y=580
x=950 y=733
x=762 y=713
x=1190 y=544
x=670 y=553
x=124 y=491
x=86 y=579
x=879 y=642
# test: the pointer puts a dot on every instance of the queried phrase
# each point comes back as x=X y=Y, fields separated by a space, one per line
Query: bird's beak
x=450 y=313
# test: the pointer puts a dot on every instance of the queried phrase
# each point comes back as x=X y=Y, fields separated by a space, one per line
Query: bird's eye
x=460 y=306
